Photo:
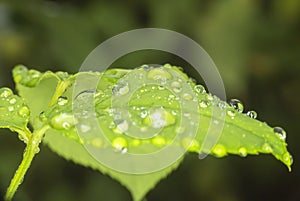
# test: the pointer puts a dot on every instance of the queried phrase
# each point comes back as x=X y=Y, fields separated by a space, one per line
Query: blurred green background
x=254 y=43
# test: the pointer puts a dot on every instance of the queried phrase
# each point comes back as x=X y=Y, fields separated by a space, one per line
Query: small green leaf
x=14 y=113
x=241 y=134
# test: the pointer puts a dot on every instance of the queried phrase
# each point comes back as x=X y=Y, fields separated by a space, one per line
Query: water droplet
x=267 y=148
x=136 y=142
x=62 y=100
x=219 y=151
x=288 y=158
x=237 y=104
x=63 y=121
x=242 y=151
x=280 y=131
x=97 y=142
x=158 y=74
x=11 y=108
x=160 y=118
x=231 y=112
x=23 y=138
x=158 y=141
x=12 y=101
x=120 y=89
x=24 y=111
x=209 y=97
x=144 y=114
x=199 y=89
x=36 y=150
x=43 y=117
x=85 y=128
x=176 y=86
x=204 y=103
x=252 y=114
x=5 y=92
x=222 y=105
x=161 y=87
x=119 y=144
x=187 y=96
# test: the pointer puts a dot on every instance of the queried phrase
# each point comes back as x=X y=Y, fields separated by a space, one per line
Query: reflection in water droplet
x=24 y=111
x=199 y=89
x=242 y=151
x=63 y=121
x=252 y=114
x=62 y=100
x=5 y=92
x=280 y=131
x=237 y=104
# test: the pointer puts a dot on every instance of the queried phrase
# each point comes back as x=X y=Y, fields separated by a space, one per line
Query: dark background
x=254 y=43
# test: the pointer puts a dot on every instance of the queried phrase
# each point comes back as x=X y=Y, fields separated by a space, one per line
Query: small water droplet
x=36 y=150
x=280 y=131
x=204 y=103
x=62 y=100
x=187 y=96
x=85 y=128
x=24 y=111
x=97 y=142
x=120 y=89
x=12 y=101
x=219 y=150
x=158 y=141
x=242 y=151
x=222 y=105
x=23 y=138
x=231 y=112
x=176 y=86
x=144 y=114
x=119 y=144
x=161 y=87
x=43 y=117
x=158 y=74
x=252 y=114
x=136 y=142
x=199 y=89
x=159 y=118
x=122 y=125
x=237 y=104
x=11 y=108
x=267 y=148
x=288 y=158
x=5 y=92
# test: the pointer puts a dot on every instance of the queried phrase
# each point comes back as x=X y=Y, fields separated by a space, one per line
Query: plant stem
x=61 y=87
x=30 y=151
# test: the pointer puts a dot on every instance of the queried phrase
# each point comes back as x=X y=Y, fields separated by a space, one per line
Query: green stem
x=30 y=151
x=61 y=87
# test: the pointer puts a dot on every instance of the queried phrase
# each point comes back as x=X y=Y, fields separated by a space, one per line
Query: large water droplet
x=237 y=104
x=5 y=92
x=120 y=144
x=199 y=89
x=63 y=121
x=219 y=150
x=252 y=114
x=62 y=100
x=24 y=111
x=281 y=133
x=43 y=117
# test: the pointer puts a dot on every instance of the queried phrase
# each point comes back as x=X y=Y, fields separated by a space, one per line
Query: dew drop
x=158 y=141
x=158 y=74
x=267 y=148
x=24 y=111
x=237 y=104
x=5 y=92
x=231 y=113
x=280 y=131
x=160 y=118
x=252 y=114
x=199 y=89
x=144 y=114
x=219 y=150
x=23 y=138
x=122 y=125
x=204 y=103
x=43 y=117
x=242 y=152
x=288 y=158
x=63 y=121
x=85 y=128
x=187 y=96
x=11 y=108
x=120 y=89
x=12 y=101
x=222 y=105
x=36 y=150
x=119 y=144
x=62 y=100
x=97 y=142
x=136 y=142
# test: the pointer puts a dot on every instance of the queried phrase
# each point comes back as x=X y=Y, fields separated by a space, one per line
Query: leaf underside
x=240 y=135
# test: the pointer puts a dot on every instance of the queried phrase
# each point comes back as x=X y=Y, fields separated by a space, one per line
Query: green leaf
x=14 y=113
x=241 y=134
